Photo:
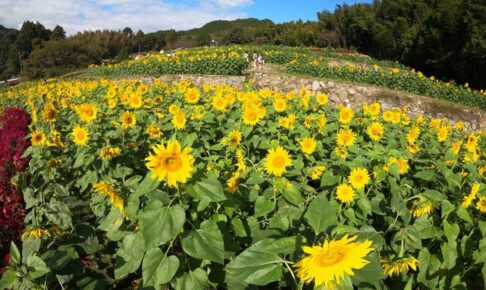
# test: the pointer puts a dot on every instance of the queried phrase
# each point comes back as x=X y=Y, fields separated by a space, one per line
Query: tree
x=127 y=31
x=58 y=33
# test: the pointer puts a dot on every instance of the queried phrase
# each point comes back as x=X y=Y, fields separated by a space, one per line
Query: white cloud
x=148 y=15
x=232 y=3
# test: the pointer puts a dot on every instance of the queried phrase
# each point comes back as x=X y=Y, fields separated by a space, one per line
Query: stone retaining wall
x=354 y=95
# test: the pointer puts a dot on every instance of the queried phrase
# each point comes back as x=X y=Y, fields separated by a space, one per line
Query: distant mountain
x=221 y=26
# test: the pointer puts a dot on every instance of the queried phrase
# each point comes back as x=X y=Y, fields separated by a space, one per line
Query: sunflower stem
x=290 y=270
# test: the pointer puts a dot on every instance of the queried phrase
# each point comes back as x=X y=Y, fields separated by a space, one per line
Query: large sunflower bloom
x=86 y=112
x=172 y=163
x=80 y=136
x=328 y=264
x=359 y=178
x=277 y=161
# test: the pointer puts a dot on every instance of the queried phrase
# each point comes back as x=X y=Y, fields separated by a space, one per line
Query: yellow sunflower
x=374 y=109
x=393 y=268
x=375 y=131
x=422 y=206
x=277 y=161
x=253 y=115
x=153 y=131
x=50 y=113
x=471 y=196
x=233 y=182
x=359 y=178
x=240 y=160
x=106 y=189
x=481 y=204
x=128 y=120
x=456 y=147
x=192 y=95
x=317 y=171
x=326 y=265
x=402 y=164
x=413 y=134
x=173 y=163
x=109 y=152
x=322 y=99
x=233 y=139
x=413 y=148
x=280 y=105
x=135 y=101
x=80 y=136
x=86 y=112
x=341 y=152
x=219 y=103
x=174 y=109
x=345 y=115
x=38 y=138
x=345 y=137
x=345 y=193
x=179 y=121
x=308 y=145
x=442 y=134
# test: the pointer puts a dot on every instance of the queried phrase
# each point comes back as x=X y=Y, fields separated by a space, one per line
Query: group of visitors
x=258 y=61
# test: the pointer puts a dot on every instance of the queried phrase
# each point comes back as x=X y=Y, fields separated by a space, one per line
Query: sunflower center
x=172 y=162
x=278 y=161
x=329 y=258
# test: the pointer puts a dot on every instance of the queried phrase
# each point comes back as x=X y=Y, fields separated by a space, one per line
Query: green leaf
x=370 y=274
x=158 y=269
x=62 y=257
x=321 y=214
x=328 y=179
x=255 y=178
x=293 y=196
x=208 y=188
x=59 y=214
x=451 y=231
x=446 y=208
x=129 y=255
x=434 y=195
x=147 y=185
x=256 y=265
x=424 y=260
x=36 y=267
x=263 y=206
x=194 y=280
x=449 y=254
x=159 y=224
x=365 y=205
x=464 y=215
x=205 y=242
x=15 y=258
x=287 y=245
x=427 y=175
x=8 y=280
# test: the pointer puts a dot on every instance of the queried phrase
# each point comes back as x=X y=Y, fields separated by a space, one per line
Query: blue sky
x=287 y=10
x=153 y=15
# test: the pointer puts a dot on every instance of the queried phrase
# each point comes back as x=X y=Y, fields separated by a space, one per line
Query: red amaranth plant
x=14 y=128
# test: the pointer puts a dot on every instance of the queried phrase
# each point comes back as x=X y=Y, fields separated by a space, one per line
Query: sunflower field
x=170 y=186
x=217 y=61
x=301 y=61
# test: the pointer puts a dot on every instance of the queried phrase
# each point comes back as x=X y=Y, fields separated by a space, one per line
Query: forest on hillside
x=444 y=38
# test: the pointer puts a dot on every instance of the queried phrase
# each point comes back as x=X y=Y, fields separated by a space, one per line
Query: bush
x=12 y=146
